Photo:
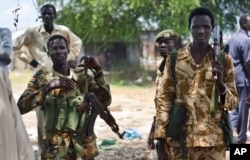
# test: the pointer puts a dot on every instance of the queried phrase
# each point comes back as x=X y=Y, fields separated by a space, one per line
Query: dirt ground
x=132 y=107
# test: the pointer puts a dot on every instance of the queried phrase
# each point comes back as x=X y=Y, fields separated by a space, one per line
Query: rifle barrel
x=216 y=39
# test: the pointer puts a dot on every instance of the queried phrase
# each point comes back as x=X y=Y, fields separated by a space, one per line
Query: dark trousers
x=239 y=116
x=162 y=151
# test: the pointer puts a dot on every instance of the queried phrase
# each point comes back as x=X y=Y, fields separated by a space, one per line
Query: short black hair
x=48 y=6
x=57 y=36
x=243 y=19
x=201 y=11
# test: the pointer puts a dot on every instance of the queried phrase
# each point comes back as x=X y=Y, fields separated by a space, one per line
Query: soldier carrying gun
x=62 y=93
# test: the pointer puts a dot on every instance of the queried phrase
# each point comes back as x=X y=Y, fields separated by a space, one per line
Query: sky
x=27 y=14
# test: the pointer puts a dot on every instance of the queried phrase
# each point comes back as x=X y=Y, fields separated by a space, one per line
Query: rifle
x=103 y=111
x=225 y=120
x=215 y=91
x=216 y=39
x=94 y=108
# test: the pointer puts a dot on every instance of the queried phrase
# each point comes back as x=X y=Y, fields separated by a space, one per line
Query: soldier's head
x=166 y=41
x=244 y=22
x=58 y=49
x=201 y=23
x=48 y=13
x=201 y=11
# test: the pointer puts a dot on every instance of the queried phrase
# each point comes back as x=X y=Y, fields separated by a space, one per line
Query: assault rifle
x=225 y=120
x=95 y=107
x=216 y=39
x=98 y=108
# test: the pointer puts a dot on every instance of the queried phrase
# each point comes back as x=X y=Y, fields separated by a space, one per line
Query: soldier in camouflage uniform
x=195 y=69
x=166 y=41
x=61 y=92
x=34 y=39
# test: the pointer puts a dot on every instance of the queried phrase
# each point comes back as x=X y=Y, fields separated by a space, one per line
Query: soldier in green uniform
x=61 y=93
x=166 y=42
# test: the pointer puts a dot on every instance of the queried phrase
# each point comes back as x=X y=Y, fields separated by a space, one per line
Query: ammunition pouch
x=61 y=113
x=177 y=119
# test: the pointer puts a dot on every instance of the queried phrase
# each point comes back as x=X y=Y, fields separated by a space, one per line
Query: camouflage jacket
x=159 y=73
x=193 y=90
x=34 y=97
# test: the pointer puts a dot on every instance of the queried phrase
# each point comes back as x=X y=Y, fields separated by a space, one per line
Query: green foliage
x=119 y=20
x=227 y=11
x=125 y=20
x=102 y=22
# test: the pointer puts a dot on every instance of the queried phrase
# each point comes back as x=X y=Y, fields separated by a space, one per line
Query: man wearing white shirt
x=14 y=140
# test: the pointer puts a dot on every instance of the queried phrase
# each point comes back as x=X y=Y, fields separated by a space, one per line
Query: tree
x=125 y=20
x=227 y=12
x=102 y=22
x=121 y=20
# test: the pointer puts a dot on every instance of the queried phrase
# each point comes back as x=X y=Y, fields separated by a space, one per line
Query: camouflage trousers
x=65 y=146
x=199 y=153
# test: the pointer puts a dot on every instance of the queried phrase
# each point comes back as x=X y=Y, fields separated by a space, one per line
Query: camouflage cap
x=166 y=34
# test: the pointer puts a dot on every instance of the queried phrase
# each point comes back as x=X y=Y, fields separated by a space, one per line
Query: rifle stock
x=104 y=113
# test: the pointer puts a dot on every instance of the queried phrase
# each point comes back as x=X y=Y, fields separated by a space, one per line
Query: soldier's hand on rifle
x=62 y=82
x=218 y=70
x=90 y=63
